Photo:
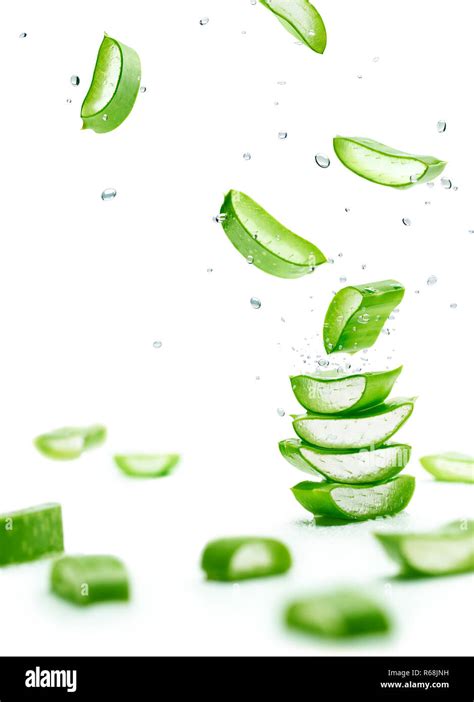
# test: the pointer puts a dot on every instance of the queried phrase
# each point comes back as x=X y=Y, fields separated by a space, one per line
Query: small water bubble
x=69 y=100
x=281 y=82
x=363 y=318
x=23 y=35
x=221 y=217
x=386 y=331
x=470 y=231
x=413 y=178
x=157 y=344
x=276 y=103
x=250 y=259
x=257 y=377
x=396 y=286
x=143 y=89
x=364 y=266
x=376 y=59
x=253 y=2
x=427 y=202
x=75 y=80
x=343 y=279
x=432 y=280
x=108 y=194
x=446 y=183
x=246 y=156
x=455 y=188
x=347 y=209
x=406 y=221
x=323 y=362
x=105 y=117
x=359 y=76
x=340 y=254
x=280 y=412
x=441 y=126
x=430 y=184
x=453 y=305
x=210 y=270
x=322 y=160
x=243 y=31
x=312 y=33
x=203 y=21
x=417 y=292
x=255 y=303
x=282 y=135
x=330 y=260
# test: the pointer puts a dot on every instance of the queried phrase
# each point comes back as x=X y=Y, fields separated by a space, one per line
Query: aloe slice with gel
x=30 y=534
x=85 y=580
x=302 y=20
x=240 y=558
x=450 y=467
x=141 y=465
x=70 y=442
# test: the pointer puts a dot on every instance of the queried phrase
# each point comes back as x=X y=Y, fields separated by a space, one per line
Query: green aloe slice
x=114 y=87
x=341 y=613
x=328 y=393
x=357 y=502
x=357 y=313
x=302 y=20
x=142 y=465
x=264 y=241
x=366 y=429
x=30 y=534
x=447 y=550
x=84 y=580
x=382 y=164
x=70 y=442
x=240 y=558
x=450 y=466
x=362 y=466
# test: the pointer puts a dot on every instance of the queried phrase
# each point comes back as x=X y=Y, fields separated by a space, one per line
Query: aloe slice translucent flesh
x=302 y=20
x=338 y=614
x=30 y=534
x=85 y=580
x=114 y=87
x=442 y=552
x=450 y=466
x=240 y=558
x=264 y=241
x=384 y=165
x=353 y=467
x=357 y=313
x=141 y=465
x=357 y=502
x=70 y=442
x=328 y=393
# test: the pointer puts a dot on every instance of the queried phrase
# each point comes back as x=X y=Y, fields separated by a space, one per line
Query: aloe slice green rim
x=384 y=165
x=30 y=534
x=338 y=614
x=85 y=580
x=68 y=443
x=302 y=20
x=366 y=429
x=262 y=240
x=242 y=558
x=357 y=313
x=146 y=465
x=114 y=87
x=329 y=393
x=445 y=551
x=450 y=467
x=356 y=502
x=351 y=467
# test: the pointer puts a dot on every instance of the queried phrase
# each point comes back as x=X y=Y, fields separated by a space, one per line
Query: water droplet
x=75 y=80
x=430 y=184
x=281 y=82
x=246 y=156
x=243 y=31
x=347 y=209
x=340 y=254
x=363 y=318
x=441 y=126
x=23 y=35
x=455 y=188
x=203 y=21
x=386 y=331
x=364 y=266
x=396 y=286
x=330 y=260
x=446 y=183
x=323 y=362
x=105 y=117
x=413 y=178
x=376 y=59
x=143 y=89
x=359 y=76
x=221 y=217
x=417 y=292
x=343 y=279
x=406 y=221
x=108 y=194
x=282 y=135
x=427 y=202
x=157 y=344
x=255 y=303
x=210 y=270
x=257 y=377
x=69 y=100
x=453 y=305
x=253 y=2
x=322 y=160
x=250 y=259
x=276 y=103
x=280 y=412
x=432 y=280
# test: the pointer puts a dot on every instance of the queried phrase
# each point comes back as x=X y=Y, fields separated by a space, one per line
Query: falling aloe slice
x=337 y=614
x=357 y=502
x=450 y=466
x=240 y=558
x=357 y=313
x=30 y=534
x=114 y=87
x=140 y=465
x=384 y=165
x=442 y=552
x=302 y=20
x=328 y=393
x=366 y=429
x=362 y=466
x=70 y=442
x=265 y=242
x=84 y=580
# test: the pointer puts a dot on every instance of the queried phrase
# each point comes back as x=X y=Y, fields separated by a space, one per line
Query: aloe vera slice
x=141 y=465
x=114 y=87
x=357 y=502
x=342 y=613
x=450 y=466
x=362 y=466
x=445 y=551
x=70 y=442
x=264 y=241
x=328 y=393
x=30 y=534
x=240 y=558
x=302 y=20
x=384 y=165
x=84 y=580
x=357 y=313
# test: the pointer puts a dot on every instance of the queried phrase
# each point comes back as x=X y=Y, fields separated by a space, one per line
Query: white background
x=87 y=286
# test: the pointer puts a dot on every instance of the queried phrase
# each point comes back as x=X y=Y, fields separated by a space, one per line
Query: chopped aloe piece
x=358 y=502
x=302 y=20
x=88 y=579
x=360 y=466
x=450 y=466
x=382 y=164
x=328 y=393
x=447 y=550
x=338 y=614
x=366 y=429
x=114 y=87
x=240 y=558
x=70 y=442
x=265 y=242
x=30 y=534
x=141 y=465
x=357 y=313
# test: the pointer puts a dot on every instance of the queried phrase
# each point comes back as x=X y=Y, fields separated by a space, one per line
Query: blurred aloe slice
x=240 y=558
x=70 y=442
x=86 y=580
x=302 y=20
x=141 y=465
x=450 y=466
x=32 y=533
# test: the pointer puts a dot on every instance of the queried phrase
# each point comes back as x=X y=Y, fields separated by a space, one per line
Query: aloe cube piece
x=450 y=466
x=30 y=534
x=85 y=580
x=240 y=558
x=142 y=465
x=302 y=20
x=357 y=313
x=70 y=442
